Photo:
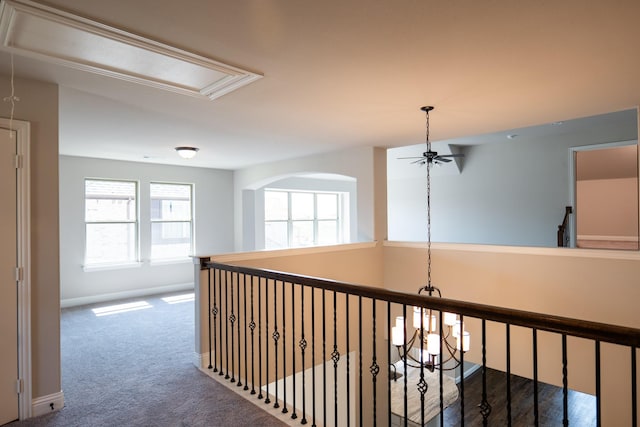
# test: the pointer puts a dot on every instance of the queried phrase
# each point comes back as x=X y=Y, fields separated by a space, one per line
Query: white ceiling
x=341 y=74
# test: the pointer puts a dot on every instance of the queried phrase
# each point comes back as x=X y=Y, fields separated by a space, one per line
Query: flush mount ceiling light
x=42 y=32
x=187 y=152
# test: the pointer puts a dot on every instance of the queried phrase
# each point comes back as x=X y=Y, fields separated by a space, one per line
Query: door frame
x=573 y=225
x=23 y=269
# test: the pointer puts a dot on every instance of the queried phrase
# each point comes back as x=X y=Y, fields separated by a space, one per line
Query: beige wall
x=39 y=105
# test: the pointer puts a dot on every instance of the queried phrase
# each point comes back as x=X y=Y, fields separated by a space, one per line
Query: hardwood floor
x=582 y=407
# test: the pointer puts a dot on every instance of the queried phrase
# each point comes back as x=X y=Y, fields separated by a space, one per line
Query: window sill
x=170 y=261
x=106 y=267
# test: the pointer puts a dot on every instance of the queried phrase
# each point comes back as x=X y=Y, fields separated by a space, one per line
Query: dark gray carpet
x=135 y=369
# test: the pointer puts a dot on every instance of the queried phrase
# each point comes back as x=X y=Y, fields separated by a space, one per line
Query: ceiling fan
x=430 y=156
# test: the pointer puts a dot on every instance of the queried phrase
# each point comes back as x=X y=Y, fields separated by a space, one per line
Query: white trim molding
x=46 y=404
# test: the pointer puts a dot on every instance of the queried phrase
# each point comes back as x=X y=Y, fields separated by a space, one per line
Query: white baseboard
x=45 y=404
x=92 y=299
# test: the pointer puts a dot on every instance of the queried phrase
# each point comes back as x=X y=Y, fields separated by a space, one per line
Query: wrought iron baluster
x=226 y=325
x=535 y=378
x=389 y=359
x=313 y=357
x=239 y=318
x=360 y=357
x=252 y=327
x=232 y=320
x=634 y=388
x=598 y=387
x=219 y=311
x=210 y=314
x=346 y=299
x=461 y=335
x=284 y=353
x=335 y=356
x=404 y=351
x=266 y=338
x=565 y=384
x=246 y=349
x=485 y=407
x=276 y=337
x=324 y=358
x=303 y=346
x=260 y=396
x=441 y=374
x=374 y=368
x=294 y=415
x=508 y=375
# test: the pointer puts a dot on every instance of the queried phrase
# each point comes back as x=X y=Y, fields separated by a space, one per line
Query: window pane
x=170 y=240
x=276 y=205
x=110 y=200
x=275 y=235
x=327 y=232
x=327 y=206
x=110 y=243
x=170 y=202
x=301 y=205
x=302 y=233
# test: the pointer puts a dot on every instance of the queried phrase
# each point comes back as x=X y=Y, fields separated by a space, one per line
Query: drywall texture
x=213 y=195
x=510 y=192
x=39 y=105
x=607 y=207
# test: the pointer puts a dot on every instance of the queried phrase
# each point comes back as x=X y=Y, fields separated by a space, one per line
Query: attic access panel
x=42 y=32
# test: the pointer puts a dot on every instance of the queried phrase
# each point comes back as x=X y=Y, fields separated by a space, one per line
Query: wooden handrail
x=562 y=228
x=574 y=327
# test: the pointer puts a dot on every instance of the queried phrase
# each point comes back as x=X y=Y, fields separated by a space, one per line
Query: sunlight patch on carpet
x=179 y=298
x=120 y=308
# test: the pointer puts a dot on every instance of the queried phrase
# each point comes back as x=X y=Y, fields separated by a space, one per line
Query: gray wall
x=213 y=215
x=509 y=192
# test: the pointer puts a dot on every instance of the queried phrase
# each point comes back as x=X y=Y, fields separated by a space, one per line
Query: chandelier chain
x=428 y=207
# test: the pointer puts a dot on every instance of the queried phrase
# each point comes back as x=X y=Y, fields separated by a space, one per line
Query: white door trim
x=23 y=132
x=573 y=226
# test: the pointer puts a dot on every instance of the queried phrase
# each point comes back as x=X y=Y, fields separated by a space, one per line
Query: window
x=111 y=221
x=296 y=218
x=171 y=221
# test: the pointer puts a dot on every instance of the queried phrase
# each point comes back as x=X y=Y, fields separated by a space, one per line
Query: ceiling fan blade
x=408 y=158
x=442 y=159
x=421 y=160
x=451 y=155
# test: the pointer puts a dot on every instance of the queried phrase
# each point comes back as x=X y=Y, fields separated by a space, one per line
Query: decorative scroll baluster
x=226 y=324
x=219 y=311
x=260 y=396
x=313 y=356
x=404 y=351
x=422 y=384
x=535 y=377
x=441 y=374
x=239 y=318
x=276 y=337
x=303 y=346
x=335 y=356
x=485 y=408
x=209 y=314
x=598 y=387
x=508 y=374
x=565 y=384
x=252 y=327
x=374 y=368
x=232 y=320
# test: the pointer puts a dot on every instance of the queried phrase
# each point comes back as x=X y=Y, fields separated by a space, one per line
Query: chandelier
x=426 y=345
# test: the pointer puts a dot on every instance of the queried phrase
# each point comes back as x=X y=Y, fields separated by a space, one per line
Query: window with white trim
x=111 y=221
x=300 y=218
x=171 y=221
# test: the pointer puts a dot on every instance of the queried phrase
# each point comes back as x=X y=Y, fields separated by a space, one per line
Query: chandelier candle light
x=426 y=338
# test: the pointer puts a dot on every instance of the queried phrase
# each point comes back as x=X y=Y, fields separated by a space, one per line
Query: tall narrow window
x=111 y=221
x=297 y=218
x=171 y=221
